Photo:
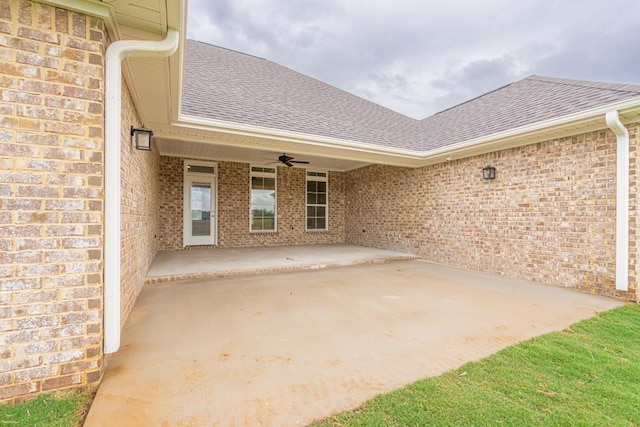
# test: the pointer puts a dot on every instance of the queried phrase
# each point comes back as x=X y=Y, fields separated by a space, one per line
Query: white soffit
x=148 y=16
x=263 y=155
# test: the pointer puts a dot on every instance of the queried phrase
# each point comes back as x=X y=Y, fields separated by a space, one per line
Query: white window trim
x=275 y=205
x=306 y=199
x=185 y=176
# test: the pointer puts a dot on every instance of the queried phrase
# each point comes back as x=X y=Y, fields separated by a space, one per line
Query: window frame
x=263 y=174
x=324 y=178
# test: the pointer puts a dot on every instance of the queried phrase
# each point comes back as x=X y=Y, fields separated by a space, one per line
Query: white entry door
x=200 y=195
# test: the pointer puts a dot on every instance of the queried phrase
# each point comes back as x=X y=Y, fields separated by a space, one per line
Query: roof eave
x=339 y=147
x=571 y=124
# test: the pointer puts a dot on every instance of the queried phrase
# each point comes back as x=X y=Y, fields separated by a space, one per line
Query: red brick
x=78 y=367
x=34 y=296
x=37 y=322
x=21 y=97
x=6 y=27
x=75 y=92
x=63 y=153
x=17 y=150
x=36 y=191
x=63 y=128
x=94 y=377
x=45 y=15
x=5 y=10
x=65 y=256
x=17 y=390
x=62 y=21
x=16 y=230
x=65 y=103
x=36 y=60
x=79 y=25
x=61 y=382
x=36 y=243
x=37 y=270
x=36 y=139
x=35 y=348
x=39 y=86
x=65 y=78
x=25 y=12
x=24 y=336
x=63 y=331
x=64 y=230
x=43 y=36
x=82 y=193
x=64 y=281
x=80 y=267
x=77 y=293
x=36 y=373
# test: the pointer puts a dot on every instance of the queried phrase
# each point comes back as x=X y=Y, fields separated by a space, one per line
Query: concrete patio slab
x=216 y=262
x=285 y=349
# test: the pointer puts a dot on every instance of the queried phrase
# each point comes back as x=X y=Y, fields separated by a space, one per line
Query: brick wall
x=51 y=198
x=139 y=210
x=233 y=207
x=549 y=216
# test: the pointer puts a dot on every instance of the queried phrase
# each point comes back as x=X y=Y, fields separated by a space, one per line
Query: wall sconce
x=142 y=138
x=489 y=172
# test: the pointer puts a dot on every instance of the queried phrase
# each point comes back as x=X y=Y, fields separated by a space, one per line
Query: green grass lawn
x=587 y=375
x=61 y=409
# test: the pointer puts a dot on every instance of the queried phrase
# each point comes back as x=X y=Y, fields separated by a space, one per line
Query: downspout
x=116 y=52
x=622 y=200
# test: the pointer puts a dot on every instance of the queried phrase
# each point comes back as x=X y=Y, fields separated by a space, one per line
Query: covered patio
x=290 y=347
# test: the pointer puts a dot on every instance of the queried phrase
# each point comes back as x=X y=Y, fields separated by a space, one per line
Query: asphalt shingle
x=525 y=102
x=230 y=86
x=226 y=85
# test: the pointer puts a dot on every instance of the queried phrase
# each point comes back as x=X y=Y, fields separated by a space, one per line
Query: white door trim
x=209 y=177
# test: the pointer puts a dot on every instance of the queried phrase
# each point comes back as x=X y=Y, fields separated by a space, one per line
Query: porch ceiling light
x=141 y=138
x=489 y=172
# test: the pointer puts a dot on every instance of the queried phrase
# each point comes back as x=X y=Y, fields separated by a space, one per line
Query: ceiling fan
x=288 y=160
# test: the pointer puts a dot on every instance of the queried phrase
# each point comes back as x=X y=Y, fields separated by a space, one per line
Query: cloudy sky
x=419 y=57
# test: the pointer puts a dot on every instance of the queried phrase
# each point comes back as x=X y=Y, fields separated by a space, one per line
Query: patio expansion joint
x=267 y=270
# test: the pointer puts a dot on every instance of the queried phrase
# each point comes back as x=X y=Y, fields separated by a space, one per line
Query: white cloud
x=420 y=57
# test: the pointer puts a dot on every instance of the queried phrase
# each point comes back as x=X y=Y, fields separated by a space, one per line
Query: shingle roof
x=225 y=85
x=524 y=102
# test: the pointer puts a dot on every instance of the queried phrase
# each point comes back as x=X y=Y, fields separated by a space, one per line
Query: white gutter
x=622 y=200
x=116 y=52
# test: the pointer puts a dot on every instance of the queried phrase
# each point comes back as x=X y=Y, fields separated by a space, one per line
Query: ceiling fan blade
x=288 y=163
x=299 y=161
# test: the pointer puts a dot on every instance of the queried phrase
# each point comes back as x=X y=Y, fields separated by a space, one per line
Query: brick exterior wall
x=549 y=216
x=233 y=207
x=139 y=210
x=51 y=198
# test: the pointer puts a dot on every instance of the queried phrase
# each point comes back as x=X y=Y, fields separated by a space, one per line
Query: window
x=317 y=201
x=263 y=199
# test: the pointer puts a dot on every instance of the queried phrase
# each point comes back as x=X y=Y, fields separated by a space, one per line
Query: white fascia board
x=193 y=122
x=411 y=158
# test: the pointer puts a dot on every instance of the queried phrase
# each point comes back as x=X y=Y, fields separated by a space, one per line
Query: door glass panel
x=201 y=209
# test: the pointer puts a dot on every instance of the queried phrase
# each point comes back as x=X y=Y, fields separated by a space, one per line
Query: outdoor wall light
x=142 y=138
x=489 y=172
